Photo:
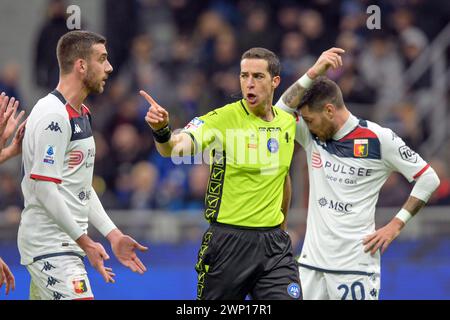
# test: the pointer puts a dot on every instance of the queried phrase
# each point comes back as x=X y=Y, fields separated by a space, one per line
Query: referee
x=250 y=144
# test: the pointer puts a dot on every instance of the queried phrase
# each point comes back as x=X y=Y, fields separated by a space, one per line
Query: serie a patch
x=49 y=156
x=194 y=123
x=361 y=148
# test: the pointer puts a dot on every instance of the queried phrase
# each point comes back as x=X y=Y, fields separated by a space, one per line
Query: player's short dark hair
x=321 y=92
x=76 y=45
x=262 y=53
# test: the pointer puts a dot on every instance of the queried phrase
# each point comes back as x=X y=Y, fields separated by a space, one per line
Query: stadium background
x=186 y=54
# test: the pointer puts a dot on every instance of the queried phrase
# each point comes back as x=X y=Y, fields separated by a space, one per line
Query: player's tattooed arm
x=382 y=238
x=330 y=58
x=292 y=96
x=413 y=205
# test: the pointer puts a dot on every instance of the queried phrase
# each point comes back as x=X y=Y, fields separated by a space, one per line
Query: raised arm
x=330 y=58
x=167 y=143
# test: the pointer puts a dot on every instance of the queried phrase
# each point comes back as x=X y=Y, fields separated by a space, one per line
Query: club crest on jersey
x=194 y=124
x=361 y=148
x=49 y=156
x=79 y=286
x=272 y=145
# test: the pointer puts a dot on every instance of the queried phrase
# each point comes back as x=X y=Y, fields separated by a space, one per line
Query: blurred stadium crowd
x=186 y=53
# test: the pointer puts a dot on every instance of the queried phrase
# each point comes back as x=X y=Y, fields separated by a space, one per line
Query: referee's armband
x=162 y=135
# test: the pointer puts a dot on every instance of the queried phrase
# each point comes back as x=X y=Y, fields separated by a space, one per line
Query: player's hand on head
x=330 y=58
x=124 y=248
x=157 y=117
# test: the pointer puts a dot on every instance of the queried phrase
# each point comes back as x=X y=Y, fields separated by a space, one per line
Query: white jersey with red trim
x=59 y=147
x=346 y=174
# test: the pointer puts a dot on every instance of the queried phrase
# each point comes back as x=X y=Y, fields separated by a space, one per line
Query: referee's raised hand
x=157 y=117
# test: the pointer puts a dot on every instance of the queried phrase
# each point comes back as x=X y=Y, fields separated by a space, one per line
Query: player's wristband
x=162 y=135
x=305 y=81
x=404 y=215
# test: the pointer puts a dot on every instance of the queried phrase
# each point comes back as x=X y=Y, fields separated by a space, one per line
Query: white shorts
x=59 y=278
x=322 y=285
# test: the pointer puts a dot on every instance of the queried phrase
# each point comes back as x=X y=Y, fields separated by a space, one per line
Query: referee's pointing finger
x=148 y=98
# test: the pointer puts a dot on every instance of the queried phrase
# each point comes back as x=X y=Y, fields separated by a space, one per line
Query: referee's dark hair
x=269 y=56
x=321 y=92
x=76 y=45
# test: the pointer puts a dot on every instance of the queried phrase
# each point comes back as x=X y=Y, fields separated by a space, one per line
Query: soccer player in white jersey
x=8 y=123
x=58 y=160
x=349 y=159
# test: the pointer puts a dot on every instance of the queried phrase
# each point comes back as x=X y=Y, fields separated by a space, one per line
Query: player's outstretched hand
x=96 y=255
x=383 y=237
x=6 y=277
x=157 y=117
x=16 y=144
x=329 y=58
x=9 y=119
x=124 y=248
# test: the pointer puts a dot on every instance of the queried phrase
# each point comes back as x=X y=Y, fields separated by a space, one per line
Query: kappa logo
x=54 y=126
x=373 y=293
x=58 y=296
x=47 y=266
x=78 y=129
x=51 y=281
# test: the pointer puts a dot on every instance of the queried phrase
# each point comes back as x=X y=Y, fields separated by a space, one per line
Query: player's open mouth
x=251 y=98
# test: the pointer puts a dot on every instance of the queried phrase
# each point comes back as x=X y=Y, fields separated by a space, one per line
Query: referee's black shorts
x=234 y=262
